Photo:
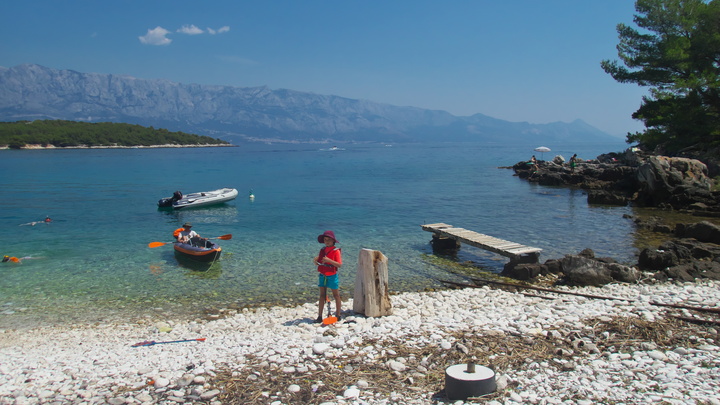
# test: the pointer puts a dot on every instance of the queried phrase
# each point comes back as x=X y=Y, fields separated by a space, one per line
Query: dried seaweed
x=424 y=377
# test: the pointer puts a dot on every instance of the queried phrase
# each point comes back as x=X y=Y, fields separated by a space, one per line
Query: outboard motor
x=168 y=201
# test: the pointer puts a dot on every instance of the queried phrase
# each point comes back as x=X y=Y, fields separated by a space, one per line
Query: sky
x=534 y=61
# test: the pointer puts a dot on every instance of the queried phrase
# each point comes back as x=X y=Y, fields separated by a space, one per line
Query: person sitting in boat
x=187 y=235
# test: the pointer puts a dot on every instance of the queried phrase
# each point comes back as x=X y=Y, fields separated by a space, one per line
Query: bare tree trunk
x=372 y=296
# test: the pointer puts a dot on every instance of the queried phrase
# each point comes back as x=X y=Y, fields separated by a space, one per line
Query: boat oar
x=152 y=342
x=158 y=244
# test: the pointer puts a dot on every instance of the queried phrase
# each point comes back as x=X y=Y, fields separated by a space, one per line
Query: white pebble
x=351 y=392
x=162 y=382
x=320 y=348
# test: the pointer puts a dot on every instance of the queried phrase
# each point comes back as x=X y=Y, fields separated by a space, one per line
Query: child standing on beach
x=329 y=260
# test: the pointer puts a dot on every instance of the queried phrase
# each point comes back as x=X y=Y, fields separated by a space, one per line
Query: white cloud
x=159 y=35
x=156 y=36
x=190 y=30
x=219 y=30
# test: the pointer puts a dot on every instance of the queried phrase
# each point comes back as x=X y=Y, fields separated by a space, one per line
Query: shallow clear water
x=92 y=262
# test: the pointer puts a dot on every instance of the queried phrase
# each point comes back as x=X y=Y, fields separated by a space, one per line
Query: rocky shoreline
x=674 y=183
x=691 y=250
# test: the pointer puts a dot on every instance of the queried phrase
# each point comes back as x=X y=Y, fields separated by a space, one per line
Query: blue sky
x=517 y=60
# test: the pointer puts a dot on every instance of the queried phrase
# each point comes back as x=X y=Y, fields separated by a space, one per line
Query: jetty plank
x=496 y=245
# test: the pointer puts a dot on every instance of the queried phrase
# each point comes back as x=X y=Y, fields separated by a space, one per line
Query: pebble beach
x=281 y=355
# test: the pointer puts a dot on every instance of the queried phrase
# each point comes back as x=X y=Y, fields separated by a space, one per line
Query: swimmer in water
x=47 y=220
x=14 y=259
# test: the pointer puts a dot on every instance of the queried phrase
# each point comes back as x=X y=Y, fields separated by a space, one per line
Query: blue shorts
x=331 y=282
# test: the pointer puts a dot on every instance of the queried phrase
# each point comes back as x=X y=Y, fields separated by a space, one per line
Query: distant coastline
x=40 y=147
x=52 y=134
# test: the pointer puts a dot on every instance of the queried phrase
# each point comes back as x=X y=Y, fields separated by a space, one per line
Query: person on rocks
x=573 y=162
x=187 y=235
x=328 y=261
x=533 y=162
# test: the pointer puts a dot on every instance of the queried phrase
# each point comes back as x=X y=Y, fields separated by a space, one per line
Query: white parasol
x=542 y=150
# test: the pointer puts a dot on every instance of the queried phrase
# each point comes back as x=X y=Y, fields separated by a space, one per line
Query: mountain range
x=238 y=114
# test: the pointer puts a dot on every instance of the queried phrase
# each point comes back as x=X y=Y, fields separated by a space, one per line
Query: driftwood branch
x=701 y=309
x=699 y=321
x=529 y=287
x=548 y=290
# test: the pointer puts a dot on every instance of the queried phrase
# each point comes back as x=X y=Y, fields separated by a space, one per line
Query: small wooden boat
x=198 y=254
x=200 y=199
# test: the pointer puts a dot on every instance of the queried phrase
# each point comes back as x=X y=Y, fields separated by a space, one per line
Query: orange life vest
x=176 y=233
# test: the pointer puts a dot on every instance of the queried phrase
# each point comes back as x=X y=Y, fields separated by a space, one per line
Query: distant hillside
x=29 y=92
x=16 y=135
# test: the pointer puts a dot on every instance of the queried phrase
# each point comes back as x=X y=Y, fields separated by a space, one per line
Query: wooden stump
x=372 y=297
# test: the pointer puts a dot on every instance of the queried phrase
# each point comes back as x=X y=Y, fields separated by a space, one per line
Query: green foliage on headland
x=675 y=51
x=63 y=134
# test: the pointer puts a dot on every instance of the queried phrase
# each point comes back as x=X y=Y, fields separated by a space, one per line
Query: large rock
x=673 y=182
x=703 y=231
x=523 y=271
x=657 y=259
x=675 y=252
x=682 y=259
x=622 y=273
x=584 y=271
x=691 y=271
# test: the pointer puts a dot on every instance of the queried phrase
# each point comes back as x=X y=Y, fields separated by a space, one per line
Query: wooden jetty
x=514 y=251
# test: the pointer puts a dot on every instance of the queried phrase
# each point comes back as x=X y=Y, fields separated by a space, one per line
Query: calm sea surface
x=92 y=263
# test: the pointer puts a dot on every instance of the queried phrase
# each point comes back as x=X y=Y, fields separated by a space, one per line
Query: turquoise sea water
x=92 y=262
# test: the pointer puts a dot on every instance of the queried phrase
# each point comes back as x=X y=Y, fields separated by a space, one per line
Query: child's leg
x=321 y=303
x=336 y=295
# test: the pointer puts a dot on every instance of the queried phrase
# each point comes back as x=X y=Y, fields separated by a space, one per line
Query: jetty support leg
x=444 y=245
